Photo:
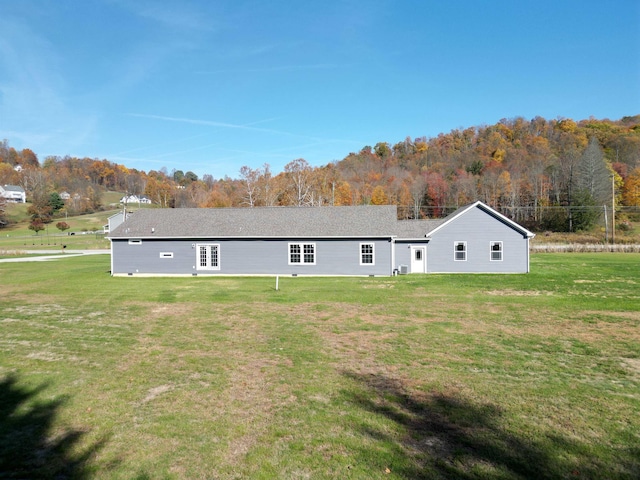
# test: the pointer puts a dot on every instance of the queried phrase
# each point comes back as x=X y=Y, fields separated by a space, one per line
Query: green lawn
x=440 y=376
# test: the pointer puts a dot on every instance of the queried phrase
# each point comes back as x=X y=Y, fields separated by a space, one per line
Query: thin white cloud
x=210 y=123
x=176 y=15
x=240 y=52
x=275 y=69
x=248 y=127
x=158 y=145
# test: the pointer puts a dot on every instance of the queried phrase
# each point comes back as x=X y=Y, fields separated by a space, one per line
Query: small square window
x=367 y=254
x=460 y=251
x=496 y=251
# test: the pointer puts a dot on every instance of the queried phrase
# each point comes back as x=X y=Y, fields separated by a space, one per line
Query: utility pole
x=613 y=209
x=569 y=199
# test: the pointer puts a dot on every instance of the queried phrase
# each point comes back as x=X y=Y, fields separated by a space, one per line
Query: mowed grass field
x=440 y=376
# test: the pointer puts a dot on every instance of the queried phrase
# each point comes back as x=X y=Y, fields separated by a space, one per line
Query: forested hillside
x=546 y=174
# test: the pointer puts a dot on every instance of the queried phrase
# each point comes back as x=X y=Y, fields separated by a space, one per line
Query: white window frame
x=166 y=254
x=302 y=253
x=492 y=251
x=135 y=241
x=372 y=254
x=456 y=251
x=212 y=262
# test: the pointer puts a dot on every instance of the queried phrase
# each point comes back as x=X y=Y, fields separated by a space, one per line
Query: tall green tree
x=55 y=202
x=585 y=210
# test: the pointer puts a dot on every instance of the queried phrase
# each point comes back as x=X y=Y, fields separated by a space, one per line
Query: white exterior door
x=419 y=259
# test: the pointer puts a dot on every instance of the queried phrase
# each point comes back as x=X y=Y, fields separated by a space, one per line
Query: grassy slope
x=17 y=235
x=468 y=376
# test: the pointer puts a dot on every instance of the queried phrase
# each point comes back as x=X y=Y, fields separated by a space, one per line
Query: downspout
x=392 y=243
x=111 y=242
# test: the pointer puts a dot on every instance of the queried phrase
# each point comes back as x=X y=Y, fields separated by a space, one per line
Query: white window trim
x=209 y=245
x=166 y=254
x=491 y=251
x=301 y=245
x=455 y=251
x=373 y=254
x=135 y=241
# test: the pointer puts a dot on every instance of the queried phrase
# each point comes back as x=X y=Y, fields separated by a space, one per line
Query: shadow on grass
x=444 y=437
x=29 y=446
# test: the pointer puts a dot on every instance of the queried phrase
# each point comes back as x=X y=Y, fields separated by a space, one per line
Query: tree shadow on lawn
x=448 y=437
x=29 y=448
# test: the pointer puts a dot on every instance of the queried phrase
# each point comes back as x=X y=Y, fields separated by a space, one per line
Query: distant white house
x=65 y=196
x=136 y=199
x=13 y=193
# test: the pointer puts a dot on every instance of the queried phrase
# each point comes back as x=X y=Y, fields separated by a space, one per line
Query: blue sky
x=212 y=85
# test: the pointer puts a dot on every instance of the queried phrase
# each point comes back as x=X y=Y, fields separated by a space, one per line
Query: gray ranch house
x=362 y=240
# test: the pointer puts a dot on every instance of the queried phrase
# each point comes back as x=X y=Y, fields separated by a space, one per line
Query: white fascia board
x=248 y=237
x=508 y=221
x=447 y=222
x=489 y=210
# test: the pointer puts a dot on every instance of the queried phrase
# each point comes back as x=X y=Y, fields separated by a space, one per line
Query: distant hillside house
x=65 y=196
x=363 y=240
x=136 y=199
x=13 y=193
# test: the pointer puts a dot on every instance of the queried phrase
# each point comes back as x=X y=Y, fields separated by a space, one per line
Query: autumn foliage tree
x=62 y=226
x=36 y=225
x=631 y=190
x=539 y=172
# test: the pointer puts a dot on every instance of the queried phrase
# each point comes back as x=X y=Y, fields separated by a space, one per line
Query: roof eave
x=244 y=237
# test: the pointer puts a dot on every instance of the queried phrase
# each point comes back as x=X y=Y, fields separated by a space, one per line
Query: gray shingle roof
x=286 y=222
x=361 y=221
x=415 y=228
x=14 y=188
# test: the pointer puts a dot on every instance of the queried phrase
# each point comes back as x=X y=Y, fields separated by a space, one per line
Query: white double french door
x=418 y=259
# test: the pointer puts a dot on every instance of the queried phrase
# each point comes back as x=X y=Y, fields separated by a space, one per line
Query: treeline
x=546 y=174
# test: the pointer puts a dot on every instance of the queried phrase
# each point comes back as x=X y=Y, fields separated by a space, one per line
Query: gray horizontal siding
x=249 y=257
x=403 y=252
x=478 y=229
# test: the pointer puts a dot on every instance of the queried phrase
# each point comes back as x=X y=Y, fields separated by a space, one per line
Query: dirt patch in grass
x=517 y=293
x=29 y=304
x=156 y=391
x=252 y=398
x=380 y=285
x=629 y=315
x=46 y=356
x=608 y=280
x=548 y=324
x=219 y=366
x=361 y=339
x=633 y=366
